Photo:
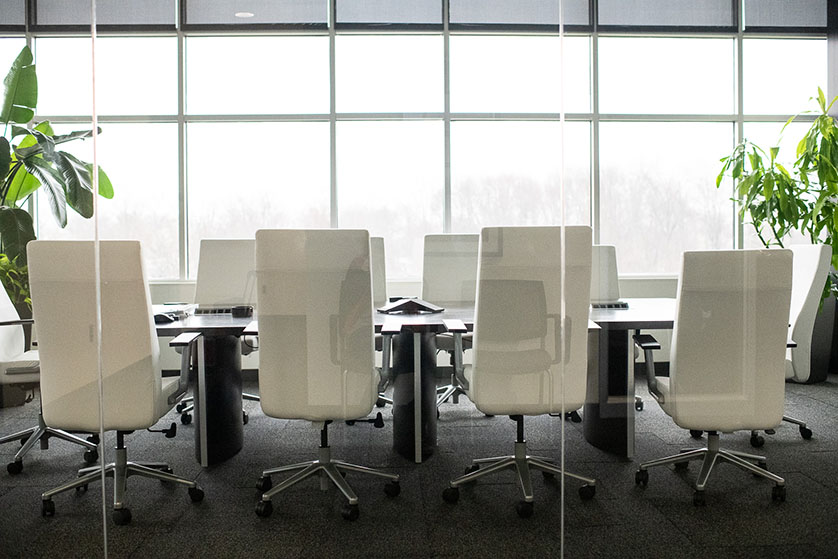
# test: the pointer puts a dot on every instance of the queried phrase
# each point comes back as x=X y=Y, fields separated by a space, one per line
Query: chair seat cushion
x=445 y=341
x=24 y=370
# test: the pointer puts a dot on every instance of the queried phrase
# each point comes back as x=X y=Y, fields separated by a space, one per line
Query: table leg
x=417 y=397
x=414 y=395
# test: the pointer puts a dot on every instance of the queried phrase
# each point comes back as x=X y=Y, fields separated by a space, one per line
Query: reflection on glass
x=519 y=74
x=767 y=65
x=657 y=75
x=126 y=69
x=257 y=75
x=9 y=49
x=284 y=184
x=390 y=182
x=389 y=73
x=145 y=204
x=508 y=173
x=658 y=196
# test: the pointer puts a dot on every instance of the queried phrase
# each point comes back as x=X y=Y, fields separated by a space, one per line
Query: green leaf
x=77 y=135
x=22 y=186
x=16 y=231
x=105 y=186
x=774 y=151
x=5 y=157
x=821 y=99
x=20 y=90
x=77 y=185
x=53 y=185
x=45 y=128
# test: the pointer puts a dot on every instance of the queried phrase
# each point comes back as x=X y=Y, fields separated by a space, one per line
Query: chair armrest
x=250 y=331
x=185 y=344
x=457 y=328
x=791 y=344
x=648 y=344
x=18 y=322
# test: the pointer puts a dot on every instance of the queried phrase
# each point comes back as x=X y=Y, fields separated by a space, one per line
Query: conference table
x=218 y=391
x=608 y=414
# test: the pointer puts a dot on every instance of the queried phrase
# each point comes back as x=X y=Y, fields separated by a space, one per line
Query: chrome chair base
x=41 y=434
x=711 y=456
x=120 y=470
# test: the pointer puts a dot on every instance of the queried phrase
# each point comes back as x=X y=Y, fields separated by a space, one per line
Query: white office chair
x=727 y=369
x=135 y=394
x=449 y=278
x=530 y=340
x=21 y=368
x=225 y=278
x=316 y=345
x=809 y=272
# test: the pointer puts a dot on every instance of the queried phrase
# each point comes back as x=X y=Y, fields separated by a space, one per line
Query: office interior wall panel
x=782 y=13
x=108 y=12
x=389 y=11
x=518 y=12
x=692 y=13
x=12 y=12
x=205 y=12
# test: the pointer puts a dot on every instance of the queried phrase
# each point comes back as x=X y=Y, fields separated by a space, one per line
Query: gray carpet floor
x=623 y=520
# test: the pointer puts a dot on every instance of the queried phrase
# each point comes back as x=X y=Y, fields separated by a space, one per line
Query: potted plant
x=804 y=198
x=33 y=162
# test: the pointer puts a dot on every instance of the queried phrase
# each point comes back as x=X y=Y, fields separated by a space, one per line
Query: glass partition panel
x=781 y=13
x=658 y=197
x=390 y=174
x=9 y=49
x=504 y=74
x=286 y=186
x=389 y=11
x=126 y=66
x=510 y=13
x=285 y=75
x=766 y=59
x=702 y=13
x=662 y=75
x=249 y=12
x=13 y=13
x=386 y=73
x=508 y=173
x=108 y=12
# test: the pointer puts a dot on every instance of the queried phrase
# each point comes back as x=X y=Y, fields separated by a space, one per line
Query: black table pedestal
x=403 y=399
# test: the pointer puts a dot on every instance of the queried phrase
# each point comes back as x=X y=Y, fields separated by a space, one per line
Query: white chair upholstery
x=605 y=286
x=378 y=268
x=727 y=363
x=22 y=368
x=316 y=343
x=226 y=277
x=136 y=396
x=449 y=278
x=226 y=273
x=809 y=272
x=530 y=338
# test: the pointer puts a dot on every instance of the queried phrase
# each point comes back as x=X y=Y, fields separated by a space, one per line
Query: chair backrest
x=378 y=269
x=63 y=285
x=727 y=363
x=531 y=320
x=225 y=273
x=810 y=269
x=605 y=286
x=315 y=324
x=449 y=269
x=12 y=342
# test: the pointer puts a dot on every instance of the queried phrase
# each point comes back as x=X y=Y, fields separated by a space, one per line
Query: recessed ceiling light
x=244 y=14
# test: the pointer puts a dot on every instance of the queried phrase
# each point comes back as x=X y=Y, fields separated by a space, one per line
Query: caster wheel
x=121 y=517
x=379 y=421
x=264 y=509
x=681 y=466
x=573 y=416
x=264 y=483
x=392 y=489
x=805 y=432
x=471 y=469
x=380 y=403
x=90 y=456
x=350 y=512
x=757 y=441
x=641 y=478
x=548 y=476
x=696 y=434
x=180 y=407
x=638 y=405
x=245 y=418
x=93 y=439
x=196 y=494
x=778 y=493
x=14 y=468
x=47 y=508
x=451 y=495
x=185 y=418
x=524 y=509
x=698 y=499
x=350 y=422
x=587 y=492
